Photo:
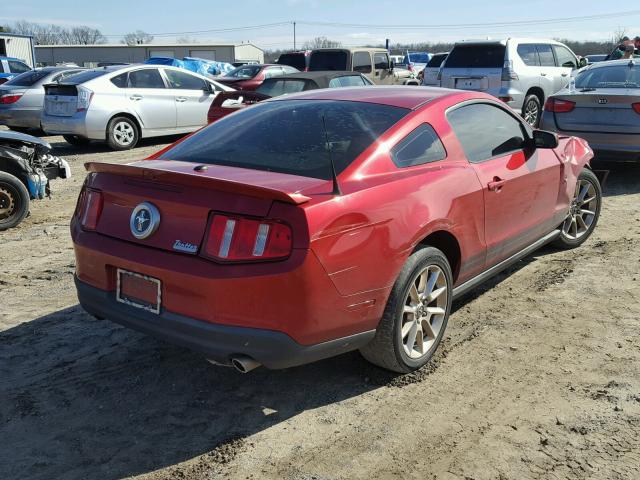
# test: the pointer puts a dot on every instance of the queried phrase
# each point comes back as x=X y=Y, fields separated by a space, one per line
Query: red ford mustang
x=323 y=222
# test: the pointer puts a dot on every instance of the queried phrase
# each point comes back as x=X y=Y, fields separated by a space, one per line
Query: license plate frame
x=138 y=302
x=474 y=84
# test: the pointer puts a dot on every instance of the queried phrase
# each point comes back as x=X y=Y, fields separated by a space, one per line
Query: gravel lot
x=538 y=377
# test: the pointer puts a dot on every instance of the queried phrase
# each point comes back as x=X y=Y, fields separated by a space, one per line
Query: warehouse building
x=18 y=46
x=91 y=55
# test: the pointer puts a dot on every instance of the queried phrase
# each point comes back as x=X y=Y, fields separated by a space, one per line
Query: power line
x=217 y=30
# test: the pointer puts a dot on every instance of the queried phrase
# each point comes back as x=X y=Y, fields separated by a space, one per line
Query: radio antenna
x=334 y=177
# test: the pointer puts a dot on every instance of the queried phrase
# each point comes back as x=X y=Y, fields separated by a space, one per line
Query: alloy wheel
x=424 y=311
x=582 y=210
x=531 y=113
x=124 y=133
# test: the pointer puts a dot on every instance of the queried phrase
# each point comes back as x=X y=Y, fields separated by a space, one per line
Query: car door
x=151 y=100
x=382 y=69
x=192 y=96
x=566 y=63
x=549 y=80
x=520 y=183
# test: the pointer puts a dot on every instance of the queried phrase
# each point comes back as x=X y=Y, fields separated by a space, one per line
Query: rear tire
x=584 y=212
x=122 y=133
x=19 y=129
x=416 y=314
x=532 y=110
x=76 y=140
x=14 y=201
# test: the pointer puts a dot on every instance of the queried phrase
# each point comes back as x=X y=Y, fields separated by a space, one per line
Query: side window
x=546 y=55
x=18 y=67
x=184 y=81
x=528 y=54
x=485 y=131
x=120 y=81
x=347 y=81
x=381 y=61
x=147 y=78
x=362 y=62
x=565 y=57
x=419 y=147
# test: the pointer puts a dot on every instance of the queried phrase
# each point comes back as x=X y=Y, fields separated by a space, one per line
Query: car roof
x=503 y=41
x=609 y=63
x=395 y=96
x=321 y=78
x=11 y=58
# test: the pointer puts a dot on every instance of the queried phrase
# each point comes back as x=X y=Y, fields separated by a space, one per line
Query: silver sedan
x=122 y=104
x=603 y=107
x=22 y=97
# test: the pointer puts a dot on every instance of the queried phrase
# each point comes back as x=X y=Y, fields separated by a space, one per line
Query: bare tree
x=85 y=36
x=320 y=42
x=48 y=34
x=185 y=39
x=618 y=34
x=137 y=38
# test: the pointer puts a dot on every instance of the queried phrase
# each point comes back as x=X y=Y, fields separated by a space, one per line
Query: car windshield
x=476 y=56
x=335 y=60
x=27 y=79
x=281 y=86
x=288 y=136
x=295 y=60
x=418 y=57
x=613 y=76
x=246 y=71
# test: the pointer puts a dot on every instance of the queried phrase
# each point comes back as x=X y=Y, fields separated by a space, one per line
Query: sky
x=362 y=22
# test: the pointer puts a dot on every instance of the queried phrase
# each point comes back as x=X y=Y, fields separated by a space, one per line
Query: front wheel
x=14 y=201
x=531 y=110
x=584 y=211
x=416 y=314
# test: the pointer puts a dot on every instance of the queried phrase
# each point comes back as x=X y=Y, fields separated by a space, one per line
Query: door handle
x=496 y=185
x=181 y=99
x=136 y=97
x=564 y=74
x=543 y=74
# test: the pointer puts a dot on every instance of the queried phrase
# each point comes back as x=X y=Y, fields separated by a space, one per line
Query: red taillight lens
x=636 y=107
x=236 y=239
x=556 y=105
x=8 y=99
x=90 y=208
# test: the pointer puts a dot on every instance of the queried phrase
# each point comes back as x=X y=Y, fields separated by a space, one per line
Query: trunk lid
x=604 y=110
x=60 y=100
x=475 y=67
x=185 y=197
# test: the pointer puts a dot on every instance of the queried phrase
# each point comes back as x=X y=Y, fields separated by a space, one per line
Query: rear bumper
x=20 y=117
x=78 y=124
x=217 y=342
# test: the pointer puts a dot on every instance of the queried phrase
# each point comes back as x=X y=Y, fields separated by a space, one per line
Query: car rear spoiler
x=189 y=179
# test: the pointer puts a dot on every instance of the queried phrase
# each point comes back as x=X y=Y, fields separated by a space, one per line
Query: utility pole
x=294 y=35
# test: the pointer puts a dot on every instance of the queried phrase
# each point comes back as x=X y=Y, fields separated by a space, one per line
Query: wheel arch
x=538 y=92
x=130 y=116
x=448 y=244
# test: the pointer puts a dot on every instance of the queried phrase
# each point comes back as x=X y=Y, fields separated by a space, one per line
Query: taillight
x=10 y=98
x=237 y=239
x=556 y=105
x=636 y=107
x=89 y=208
x=508 y=73
x=84 y=99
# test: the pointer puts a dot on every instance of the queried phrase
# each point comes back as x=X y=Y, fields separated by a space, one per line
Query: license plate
x=139 y=291
x=468 y=83
x=57 y=108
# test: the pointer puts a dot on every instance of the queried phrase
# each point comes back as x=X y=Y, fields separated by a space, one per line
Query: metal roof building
x=91 y=55
x=18 y=46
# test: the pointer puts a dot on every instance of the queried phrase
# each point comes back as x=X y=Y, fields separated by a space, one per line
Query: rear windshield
x=436 y=60
x=418 y=57
x=85 y=76
x=476 y=56
x=246 y=71
x=295 y=60
x=288 y=136
x=27 y=79
x=321 y=61
x=615 y=76
x=282 y=86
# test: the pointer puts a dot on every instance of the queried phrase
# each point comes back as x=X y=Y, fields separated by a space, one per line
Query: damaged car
x=26 y=167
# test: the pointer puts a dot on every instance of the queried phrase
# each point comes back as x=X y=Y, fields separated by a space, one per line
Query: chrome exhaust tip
x=244 y=364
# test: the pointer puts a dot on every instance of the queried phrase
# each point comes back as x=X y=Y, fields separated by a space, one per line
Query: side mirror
x=544 y=139
x=582 y=62
x=209 y=87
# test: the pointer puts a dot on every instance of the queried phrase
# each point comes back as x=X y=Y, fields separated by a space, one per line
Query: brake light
x=636 y=107
x=556 y=105
x=235 y=239
x=10 y=98
x=90 y=208
x=84 y=98
x=508 y=73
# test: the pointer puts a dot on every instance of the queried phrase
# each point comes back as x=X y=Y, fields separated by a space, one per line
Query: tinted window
x=476 y=56
x=333 y=60
x=288 y=136
x=63 y=75
x=362 y=62
x=419 y=147
x=246 y=71
x=282 y=86
x=381 y=61
x=147 y=78
x=184 y=81
x=545 y=54
x=347 y=81
x=85 y=76
x=565 y=57
x=485 y=131
x=528 y=54
x=614 y=76
x=28 y=78
x=436 y=60
x=295 y=60
x=18 y=67
x=120 y=81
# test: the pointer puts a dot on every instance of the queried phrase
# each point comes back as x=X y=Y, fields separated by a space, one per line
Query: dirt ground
x=538 y=378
